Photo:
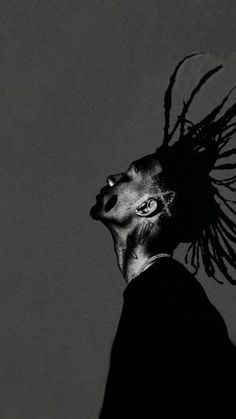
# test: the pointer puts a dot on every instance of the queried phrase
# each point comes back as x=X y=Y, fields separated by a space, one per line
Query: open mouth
x=111 y=203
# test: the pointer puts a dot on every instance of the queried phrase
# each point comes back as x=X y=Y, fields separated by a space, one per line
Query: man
x=171 y=347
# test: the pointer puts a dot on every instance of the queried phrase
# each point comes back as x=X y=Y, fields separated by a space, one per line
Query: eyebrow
x=135 y=165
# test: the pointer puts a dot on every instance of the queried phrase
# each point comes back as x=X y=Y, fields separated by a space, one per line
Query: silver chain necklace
x=150 y=262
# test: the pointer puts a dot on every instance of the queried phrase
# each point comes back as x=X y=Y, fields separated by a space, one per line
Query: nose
x=113 y=179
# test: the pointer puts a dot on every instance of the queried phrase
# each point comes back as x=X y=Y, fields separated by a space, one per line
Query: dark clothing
x=171 y=349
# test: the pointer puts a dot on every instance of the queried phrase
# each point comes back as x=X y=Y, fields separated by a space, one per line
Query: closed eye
x=125 y=177
x=135 y=167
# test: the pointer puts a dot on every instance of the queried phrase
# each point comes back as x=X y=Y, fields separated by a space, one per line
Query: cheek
x=122 y=202
x=126 y=202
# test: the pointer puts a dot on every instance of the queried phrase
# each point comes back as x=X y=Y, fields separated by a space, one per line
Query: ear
x=147 y=208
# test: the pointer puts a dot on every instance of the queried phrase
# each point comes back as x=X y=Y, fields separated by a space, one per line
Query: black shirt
x=171 y=349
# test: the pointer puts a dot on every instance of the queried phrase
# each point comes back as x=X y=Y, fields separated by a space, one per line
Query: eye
x=135 y=167
x=125 y=177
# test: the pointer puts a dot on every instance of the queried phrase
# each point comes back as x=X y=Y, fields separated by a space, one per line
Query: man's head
x=164 y=188
x=131 y=196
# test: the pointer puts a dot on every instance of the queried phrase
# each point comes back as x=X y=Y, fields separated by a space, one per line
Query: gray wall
x=82 y=84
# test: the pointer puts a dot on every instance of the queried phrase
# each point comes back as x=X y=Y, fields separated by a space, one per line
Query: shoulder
x=169 y=276
x=166 y=278
x=165 y=284
x=168 y=289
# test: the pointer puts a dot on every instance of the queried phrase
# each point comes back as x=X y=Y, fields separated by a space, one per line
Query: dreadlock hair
x=202 y=215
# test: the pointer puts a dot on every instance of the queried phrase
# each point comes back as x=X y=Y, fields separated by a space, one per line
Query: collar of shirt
x=150 y=262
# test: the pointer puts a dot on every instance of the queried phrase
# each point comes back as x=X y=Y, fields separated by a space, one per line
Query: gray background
x=82 y=85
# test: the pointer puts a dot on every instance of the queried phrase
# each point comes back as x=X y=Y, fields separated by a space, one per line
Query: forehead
x=147 y=165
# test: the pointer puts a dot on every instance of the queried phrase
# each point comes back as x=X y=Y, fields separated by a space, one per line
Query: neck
x=134 y=249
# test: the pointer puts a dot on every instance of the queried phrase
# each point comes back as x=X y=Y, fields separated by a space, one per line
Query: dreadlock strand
x=181 y=119
x=228 y=153
x=222 y=198
x=193 y=258
x=219 y=258
x=223 y=121
x=188 y=252
x=206 y=256
x=223 y=182
x=215 y=245
x=168 y=96
x=226 y=204
x=228 y=186
x=196 y=128
x=227 y=233
x=226 y=166
x=198 y=254
x=225 y=134
x=229 y=223
x=229 y=256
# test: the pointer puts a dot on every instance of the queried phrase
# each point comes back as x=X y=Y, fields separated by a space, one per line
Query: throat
x=134 y=262
x=134 y=258
x=129 y=257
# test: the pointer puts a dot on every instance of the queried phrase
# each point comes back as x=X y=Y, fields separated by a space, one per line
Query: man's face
x=125 y=192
